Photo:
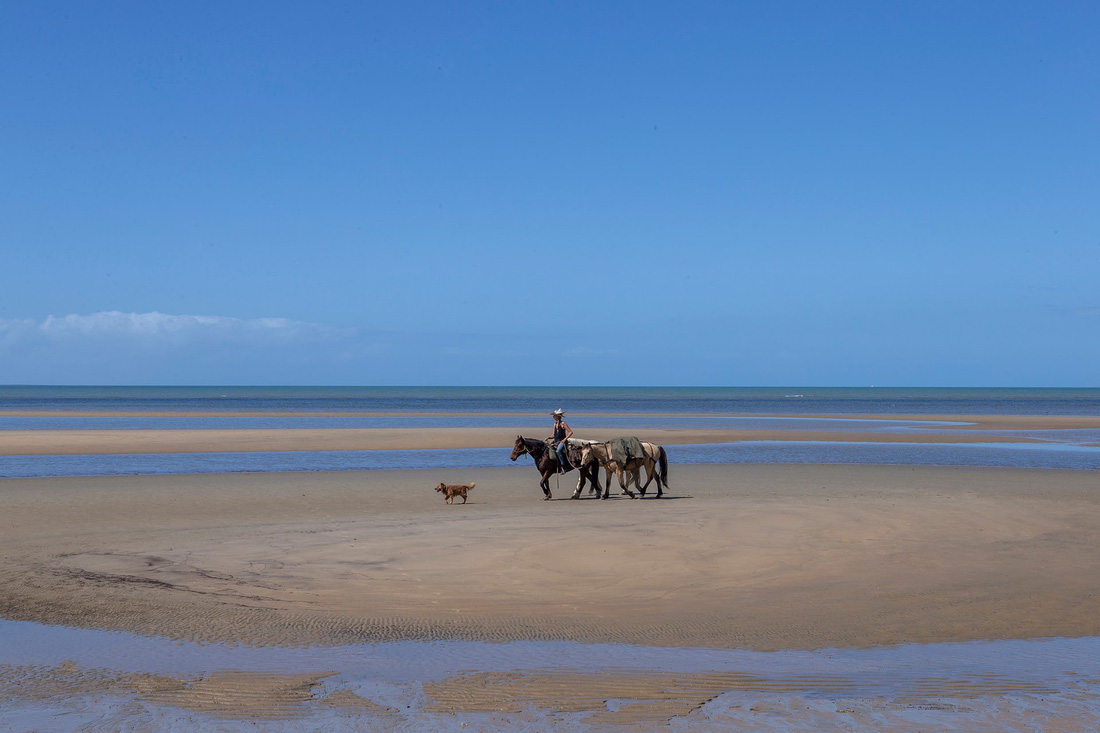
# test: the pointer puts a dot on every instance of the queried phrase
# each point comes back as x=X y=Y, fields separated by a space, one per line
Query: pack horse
x=625 y=457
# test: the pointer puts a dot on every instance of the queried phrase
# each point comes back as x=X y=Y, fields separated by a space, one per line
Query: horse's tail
x=662 y=465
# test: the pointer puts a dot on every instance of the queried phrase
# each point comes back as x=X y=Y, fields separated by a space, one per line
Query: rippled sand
x=758 y=556
x=768 y=557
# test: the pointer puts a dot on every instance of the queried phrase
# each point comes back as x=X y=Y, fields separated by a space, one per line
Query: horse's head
x=587 y=455
x=519 y=448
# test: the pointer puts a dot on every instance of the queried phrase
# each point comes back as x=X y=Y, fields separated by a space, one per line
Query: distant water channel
x=1018 y=455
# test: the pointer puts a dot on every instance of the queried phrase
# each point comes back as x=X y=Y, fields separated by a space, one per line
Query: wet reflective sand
x=54 y=676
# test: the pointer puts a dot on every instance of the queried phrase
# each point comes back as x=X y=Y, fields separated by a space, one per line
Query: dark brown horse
x=546 y=461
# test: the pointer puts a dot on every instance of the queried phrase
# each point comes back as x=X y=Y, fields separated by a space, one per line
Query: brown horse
x=655 y=463
x=546 y=461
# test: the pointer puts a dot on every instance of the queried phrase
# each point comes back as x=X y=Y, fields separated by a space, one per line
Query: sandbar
x=218 y=440
x=764 y=557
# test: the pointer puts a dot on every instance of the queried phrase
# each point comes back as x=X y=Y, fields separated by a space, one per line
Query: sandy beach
x=750 y=556
x=768 y=557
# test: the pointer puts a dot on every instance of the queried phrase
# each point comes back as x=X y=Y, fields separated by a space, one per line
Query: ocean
x=629 y=409
x=575 y=400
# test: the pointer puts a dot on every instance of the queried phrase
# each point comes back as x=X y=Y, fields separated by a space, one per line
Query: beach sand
x=764 y=557
x=752 y=556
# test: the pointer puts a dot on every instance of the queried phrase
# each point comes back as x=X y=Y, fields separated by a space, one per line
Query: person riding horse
x=562 y=433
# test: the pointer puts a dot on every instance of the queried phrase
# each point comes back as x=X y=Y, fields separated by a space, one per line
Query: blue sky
x=790 y=193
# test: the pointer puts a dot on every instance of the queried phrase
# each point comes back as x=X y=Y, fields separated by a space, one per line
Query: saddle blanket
x=623 y=450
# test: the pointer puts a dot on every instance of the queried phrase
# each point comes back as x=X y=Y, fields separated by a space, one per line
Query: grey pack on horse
x=546 y=461
x=625 y=457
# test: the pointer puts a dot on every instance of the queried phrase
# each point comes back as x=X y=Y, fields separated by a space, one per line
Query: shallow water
x=1017 y=455
x=1020 y=685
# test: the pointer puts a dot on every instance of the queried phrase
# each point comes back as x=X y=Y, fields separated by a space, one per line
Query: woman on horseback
x=562 y=433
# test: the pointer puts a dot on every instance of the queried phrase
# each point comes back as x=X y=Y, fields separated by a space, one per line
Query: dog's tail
x=470 y=486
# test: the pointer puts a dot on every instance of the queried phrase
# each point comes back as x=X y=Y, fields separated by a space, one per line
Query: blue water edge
x=1015 y=455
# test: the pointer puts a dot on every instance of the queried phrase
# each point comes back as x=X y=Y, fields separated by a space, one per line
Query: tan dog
x=450 y=491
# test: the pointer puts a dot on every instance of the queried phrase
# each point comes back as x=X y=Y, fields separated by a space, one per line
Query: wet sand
x=764 y=557
x=86 y=442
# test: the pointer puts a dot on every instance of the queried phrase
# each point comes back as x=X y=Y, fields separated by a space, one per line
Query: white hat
x=557 y=412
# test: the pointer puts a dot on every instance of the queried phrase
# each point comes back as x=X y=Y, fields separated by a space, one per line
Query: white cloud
x=163 y=329
x=113 y=347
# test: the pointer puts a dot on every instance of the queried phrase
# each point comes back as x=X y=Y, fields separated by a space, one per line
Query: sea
x=631 y=410
x=599 y=400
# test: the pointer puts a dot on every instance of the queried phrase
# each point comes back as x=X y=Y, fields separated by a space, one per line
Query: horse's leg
x=624 y=480
x=650 y=472
x=631 y=475
x=580 y=482
x=547 y=468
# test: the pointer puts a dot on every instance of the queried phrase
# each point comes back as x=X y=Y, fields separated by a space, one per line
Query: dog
x=450 y=491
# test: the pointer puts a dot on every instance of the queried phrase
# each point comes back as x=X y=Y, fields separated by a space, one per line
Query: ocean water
x=543 y=400
x=629 y=409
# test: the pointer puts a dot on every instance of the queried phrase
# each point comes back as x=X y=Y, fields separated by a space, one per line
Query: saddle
x=554 y=453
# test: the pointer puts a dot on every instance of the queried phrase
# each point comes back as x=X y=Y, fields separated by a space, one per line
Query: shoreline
x=753 y=556
x=216 y=440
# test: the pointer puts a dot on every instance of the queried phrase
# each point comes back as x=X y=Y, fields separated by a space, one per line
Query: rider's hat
x=558 y=412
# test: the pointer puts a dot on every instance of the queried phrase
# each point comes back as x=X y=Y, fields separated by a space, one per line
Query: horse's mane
x=533 y=441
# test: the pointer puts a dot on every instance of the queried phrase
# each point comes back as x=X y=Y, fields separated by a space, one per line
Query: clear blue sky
x=699 y=193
